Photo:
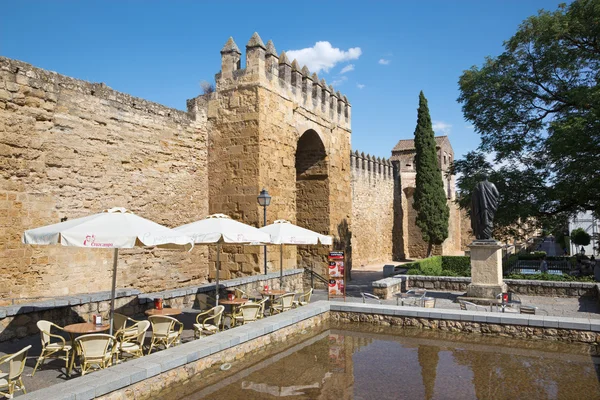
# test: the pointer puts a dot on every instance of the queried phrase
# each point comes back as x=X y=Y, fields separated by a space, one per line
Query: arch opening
x=312 y=194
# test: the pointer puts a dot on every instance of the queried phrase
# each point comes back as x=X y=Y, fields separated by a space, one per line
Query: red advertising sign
x=337 y=275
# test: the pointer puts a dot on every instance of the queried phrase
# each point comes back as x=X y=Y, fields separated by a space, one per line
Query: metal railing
x=533 y=267
x=314 y=275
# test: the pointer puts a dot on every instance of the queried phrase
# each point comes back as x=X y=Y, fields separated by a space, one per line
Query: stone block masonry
x=70 y=148
x=19 y=321
x=274 y=125
x=372 y=209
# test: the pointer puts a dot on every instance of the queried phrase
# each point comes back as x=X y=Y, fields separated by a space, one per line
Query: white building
x=588 y=223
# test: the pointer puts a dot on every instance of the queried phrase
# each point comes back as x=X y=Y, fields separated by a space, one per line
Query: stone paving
x=554 y=306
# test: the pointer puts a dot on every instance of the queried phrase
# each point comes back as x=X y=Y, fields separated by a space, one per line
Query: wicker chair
x=213 y=315
x=247 y=313
x=283 y=303
x=205 y=302
x=303 y=299
x=165 y=330
x=131 y=340
x=95 y=350
x=120 y=321
x=262 y=303
x=53 y=346
x=11 y=381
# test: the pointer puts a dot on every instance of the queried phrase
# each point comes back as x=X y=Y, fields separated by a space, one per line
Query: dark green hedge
x=441 y=266
x=460 y=265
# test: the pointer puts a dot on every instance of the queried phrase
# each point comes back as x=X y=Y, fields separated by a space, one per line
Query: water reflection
x=343 y=364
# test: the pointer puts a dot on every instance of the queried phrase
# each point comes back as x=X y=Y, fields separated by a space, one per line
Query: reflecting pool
x=354 y=362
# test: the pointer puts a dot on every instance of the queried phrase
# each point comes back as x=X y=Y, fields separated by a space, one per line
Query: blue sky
x=161 y=51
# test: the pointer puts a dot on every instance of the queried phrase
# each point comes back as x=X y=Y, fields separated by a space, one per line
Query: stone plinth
x=486 y=270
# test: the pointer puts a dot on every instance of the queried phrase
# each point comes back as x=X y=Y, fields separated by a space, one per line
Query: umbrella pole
x=218 y=266
x=280 y=266
x=114 y=287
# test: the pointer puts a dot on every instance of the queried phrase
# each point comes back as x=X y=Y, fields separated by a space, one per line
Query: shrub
x=456 y=265
x=580 y=237
x=431 y=266
x=440 y=266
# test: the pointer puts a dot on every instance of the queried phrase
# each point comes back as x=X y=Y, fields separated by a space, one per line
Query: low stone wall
x=18 y=321
x=386 y=288
x=517 y=326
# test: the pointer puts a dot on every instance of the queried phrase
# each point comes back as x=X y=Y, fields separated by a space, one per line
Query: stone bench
x=387 y=287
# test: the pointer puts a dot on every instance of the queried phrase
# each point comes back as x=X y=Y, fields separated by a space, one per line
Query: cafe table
x=83 y=328
x=167 y=311
x=234 y=303
x=272 y=293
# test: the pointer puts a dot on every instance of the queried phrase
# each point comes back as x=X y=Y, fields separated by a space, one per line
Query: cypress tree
x=430 y=198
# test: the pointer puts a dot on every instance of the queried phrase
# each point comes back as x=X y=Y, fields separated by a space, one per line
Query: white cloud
x=339 y=81
x=360 y=85
x=323 y=56
x=347 y=68
x=383 y=61
x=441 y=127
x=470 y=127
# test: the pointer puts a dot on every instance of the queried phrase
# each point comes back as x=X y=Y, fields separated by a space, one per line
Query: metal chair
x=131 y=340
x=465 y=305
x=246 y=313
x=96 y=349
x=120 y=321
x=262 y=303
x=214 y=315
x=282 y=303
x=369 y=296
x=303 y=299
x=205 y=301
x=165 y=330
x=12 y=380
x=53 y=349
x=413 y=297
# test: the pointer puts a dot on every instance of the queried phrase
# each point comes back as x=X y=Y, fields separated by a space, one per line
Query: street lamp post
x=264 y=200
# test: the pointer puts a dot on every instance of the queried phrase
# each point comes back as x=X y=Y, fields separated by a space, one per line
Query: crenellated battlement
x=288 y=79
x=371 y=165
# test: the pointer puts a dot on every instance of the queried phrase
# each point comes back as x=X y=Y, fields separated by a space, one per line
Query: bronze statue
x=484 y=203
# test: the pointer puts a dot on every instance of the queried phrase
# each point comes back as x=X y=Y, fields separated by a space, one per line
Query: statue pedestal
x=486 y=270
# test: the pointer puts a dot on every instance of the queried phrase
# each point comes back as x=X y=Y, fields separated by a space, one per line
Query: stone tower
x=403 y=155
x=275 y=125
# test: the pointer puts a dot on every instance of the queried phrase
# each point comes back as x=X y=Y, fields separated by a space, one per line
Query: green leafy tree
x=430 y=198
x=580 y=237
x=537 y=109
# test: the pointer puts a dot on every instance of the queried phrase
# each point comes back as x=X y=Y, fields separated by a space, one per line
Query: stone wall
x=403 y=155
x=372 y=209
x=70 y=148
x=386 y=288
x=18 y=321
x=518 y=328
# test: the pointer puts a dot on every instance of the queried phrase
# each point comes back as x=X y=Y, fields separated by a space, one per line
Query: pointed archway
x=312 y=195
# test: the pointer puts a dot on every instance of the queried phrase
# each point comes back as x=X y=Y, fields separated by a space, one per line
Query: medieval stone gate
x=275 y=125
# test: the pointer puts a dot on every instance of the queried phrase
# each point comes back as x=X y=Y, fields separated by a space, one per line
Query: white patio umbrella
x=219 y=229
x=284 y=232
x=115 y=229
